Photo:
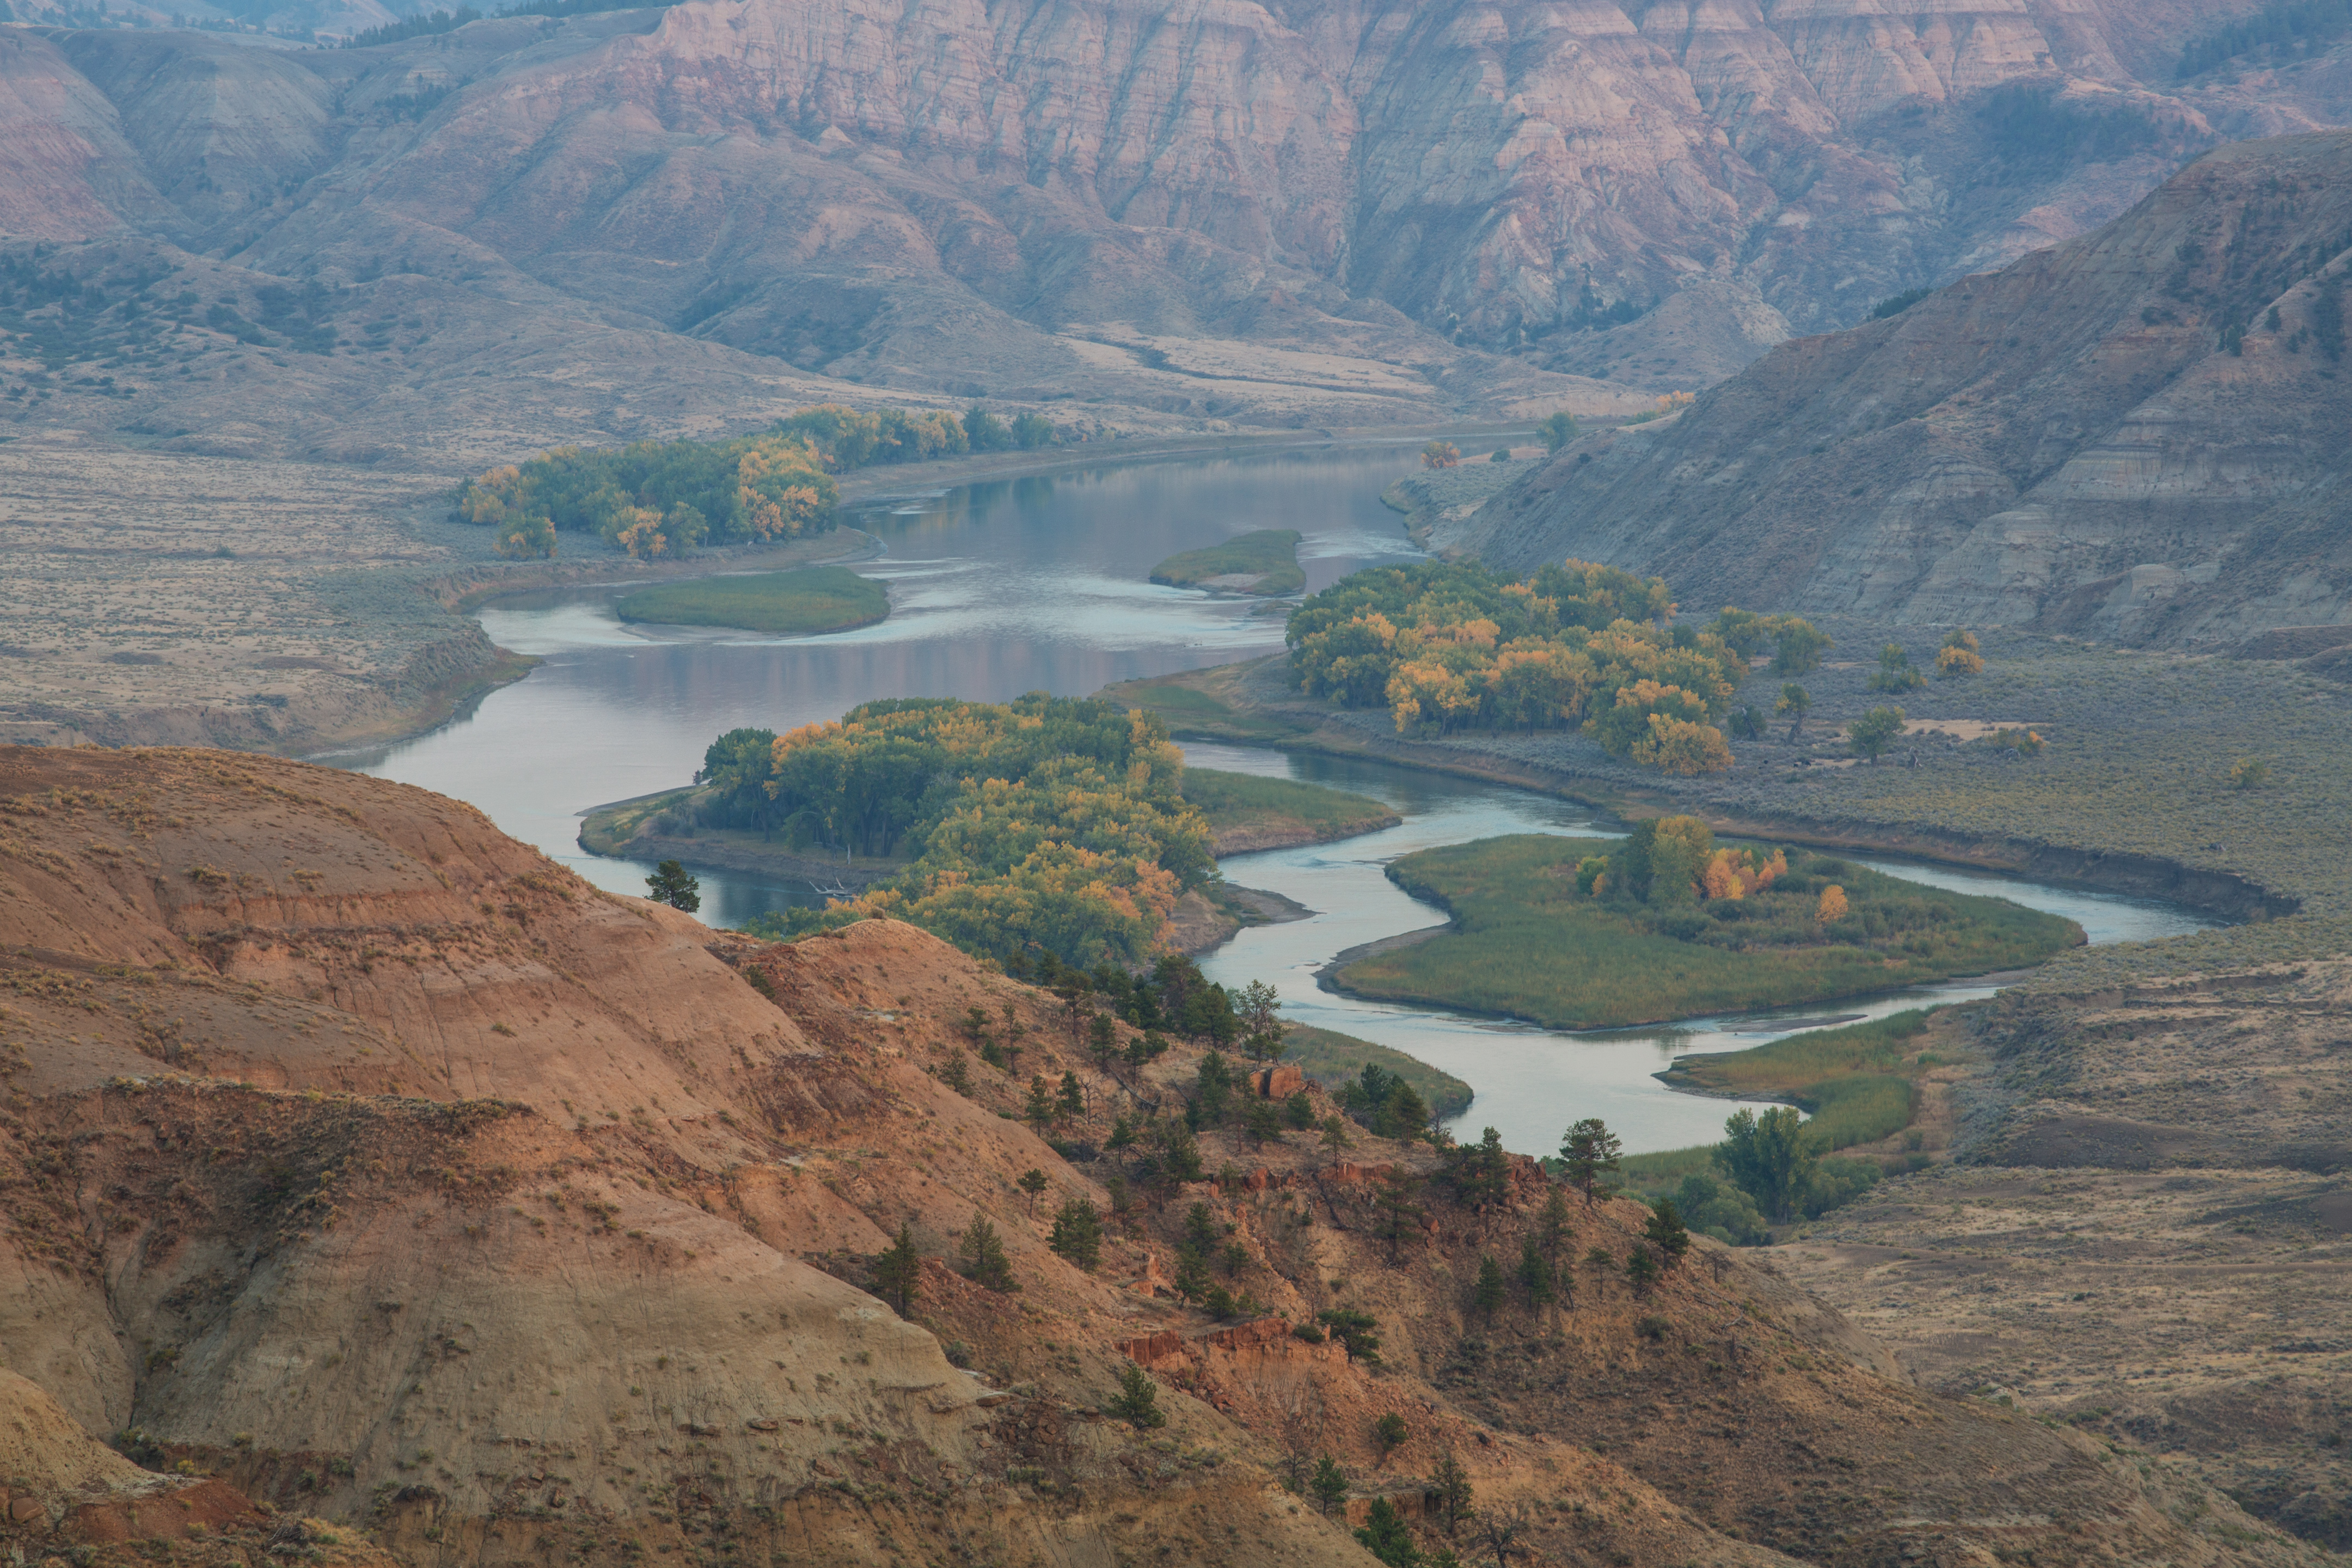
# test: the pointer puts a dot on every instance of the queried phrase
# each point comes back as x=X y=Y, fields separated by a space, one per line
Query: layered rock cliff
x=2137 y=435
x=1341 y=213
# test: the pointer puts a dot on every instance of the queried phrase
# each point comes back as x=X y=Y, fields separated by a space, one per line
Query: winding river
x=1040 y=584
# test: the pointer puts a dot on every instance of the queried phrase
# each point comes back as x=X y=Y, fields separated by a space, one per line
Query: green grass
x=1193 y=706
x=816 y=599
x=1238 y=803
x=1331 y=1058
x=1648 y=1175
x=1527 y=945
x=1270 y=555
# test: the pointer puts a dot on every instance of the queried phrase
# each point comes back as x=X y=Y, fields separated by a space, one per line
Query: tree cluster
x=1453 y=646
x=1046 y=825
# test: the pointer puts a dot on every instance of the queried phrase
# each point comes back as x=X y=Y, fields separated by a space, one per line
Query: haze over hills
x=2137 y=435
x=644 y=222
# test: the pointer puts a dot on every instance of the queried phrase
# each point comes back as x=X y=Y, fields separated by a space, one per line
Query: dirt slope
x=363 y=1158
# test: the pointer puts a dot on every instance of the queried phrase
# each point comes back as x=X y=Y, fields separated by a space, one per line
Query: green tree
x=1259 y=1006
x=1874 y=732
x=1798 y=647
x=1796 y=702
x=1553 y=1230
x=1665 y=1231
x=1328 y=1486
x=1355 y=1331
x=1769 y=1157
x=1385 y=1535
x=1487 y=1294
x=1137 y=1402
x=1077 y=1234
x=1388 y=1432
x=1102 y=1041
x=1031 y=431
x=1335 y=1136
x=899 y=1272
x=1480 y=1172
x=1041 y=1110
x=957 y=1075
x=1072 y=1100
x=1298 y=1110
x=1455 y=1500
x=1212 y=1090
x=1558 y=431
x=1192 y=1282
x=985 y=431
x=1535 y=1276
x=1589 y=1154
x=1895 y=672
x=983 y=1256
x=1032 y=1182
x=1400 y=1217
x=671 y=884
x=2248 y=773
x=1642 y=1269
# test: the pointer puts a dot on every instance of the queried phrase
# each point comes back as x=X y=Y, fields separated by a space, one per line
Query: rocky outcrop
x=2134 y=435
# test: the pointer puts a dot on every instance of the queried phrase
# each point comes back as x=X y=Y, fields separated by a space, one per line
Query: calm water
x=1532 y=1082
x=1039 y=585
x=995 y=590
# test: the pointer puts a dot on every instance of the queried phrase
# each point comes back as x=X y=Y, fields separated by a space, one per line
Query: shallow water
x=1040 y=584
x=1531 y=1082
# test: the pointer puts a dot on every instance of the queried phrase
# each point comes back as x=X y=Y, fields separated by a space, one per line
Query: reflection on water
x=1532 y=1082
x=996 y=589
x=1039 y=585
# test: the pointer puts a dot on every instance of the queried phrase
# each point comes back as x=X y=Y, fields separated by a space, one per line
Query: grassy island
x=1265 y=562
x=1582 y=933
x=1246 y=812
x=791 y=603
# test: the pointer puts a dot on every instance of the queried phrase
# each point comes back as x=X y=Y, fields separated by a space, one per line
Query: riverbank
x=1525 y=941
x=2130 y=794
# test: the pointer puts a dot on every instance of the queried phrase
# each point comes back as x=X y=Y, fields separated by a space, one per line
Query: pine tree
x=1399 y=1216
x=1032 y=1182
x=956 y=1075
x=983 y=1256
x=1073 y=1098
x=1590 y=1152
x=1390 y=1431
x=1137 y=1400
x=1666 y=1232
x=1642 y=1269
x=1452 y=1484
x=1488 y=1292
x=1329 y=1484
x=671 y=884
x=1535 y=1272
x=1077 y=1234
x=1552 y=1227
x=1385 y=1536
x=1042 y=1112
x=899 y=1272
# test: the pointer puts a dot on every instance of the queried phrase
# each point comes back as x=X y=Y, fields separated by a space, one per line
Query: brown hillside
x=366 y=1161
x=2137 y=435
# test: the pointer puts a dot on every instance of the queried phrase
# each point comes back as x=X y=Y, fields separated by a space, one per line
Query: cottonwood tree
x=1769 y=1157
x=1589 y=1154
x=1874 y=732
x=1796 y=702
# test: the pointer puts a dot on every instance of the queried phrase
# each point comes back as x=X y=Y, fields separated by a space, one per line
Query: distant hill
x=2138 y=434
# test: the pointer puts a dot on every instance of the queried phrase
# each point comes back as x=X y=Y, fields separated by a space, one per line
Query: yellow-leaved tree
x=1832 y=904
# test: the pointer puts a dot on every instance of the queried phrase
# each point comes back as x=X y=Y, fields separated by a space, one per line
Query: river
x=1040 y=584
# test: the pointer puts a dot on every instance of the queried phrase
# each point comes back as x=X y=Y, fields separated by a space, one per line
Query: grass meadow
x=1270 y=555
x=1245 y=801
x=1526 y=943
x=1330 y=1059
x=817 y=599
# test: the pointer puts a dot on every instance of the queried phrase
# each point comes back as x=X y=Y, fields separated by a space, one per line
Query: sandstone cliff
x=368 y=1164
x=2137 y=435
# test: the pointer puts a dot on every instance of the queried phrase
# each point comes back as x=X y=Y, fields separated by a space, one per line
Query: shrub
x=2248 y=773
x=1137 y=1400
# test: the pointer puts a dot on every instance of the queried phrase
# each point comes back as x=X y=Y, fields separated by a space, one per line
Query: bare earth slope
x=364 y=1159
x=2136 y=435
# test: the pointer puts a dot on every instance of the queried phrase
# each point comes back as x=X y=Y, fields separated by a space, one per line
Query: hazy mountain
x=1345 y=213
x=2137 y=435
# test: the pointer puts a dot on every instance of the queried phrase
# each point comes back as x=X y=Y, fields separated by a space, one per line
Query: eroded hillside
x=364 y=1159
x=2135 y=436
